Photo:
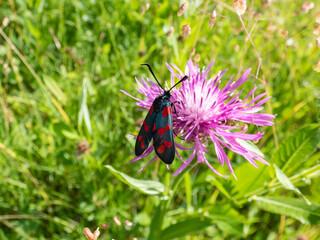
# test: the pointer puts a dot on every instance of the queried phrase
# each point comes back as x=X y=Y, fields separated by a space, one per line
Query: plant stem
x=165 y=201
x=263 y=79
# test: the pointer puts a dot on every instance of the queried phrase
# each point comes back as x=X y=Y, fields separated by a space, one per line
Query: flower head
x=186 y=30
x=206 y=112
x=240 y=6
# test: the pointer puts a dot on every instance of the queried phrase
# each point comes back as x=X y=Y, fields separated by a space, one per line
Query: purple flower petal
x=183 y=166
x=152 y=160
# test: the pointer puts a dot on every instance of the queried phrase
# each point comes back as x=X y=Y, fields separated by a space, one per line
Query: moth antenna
x=182 y=80
x=146 y=64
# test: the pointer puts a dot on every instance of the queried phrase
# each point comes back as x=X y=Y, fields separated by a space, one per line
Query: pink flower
x=206 y=112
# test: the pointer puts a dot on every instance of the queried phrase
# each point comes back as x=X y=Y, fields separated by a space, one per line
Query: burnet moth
x=158 y=125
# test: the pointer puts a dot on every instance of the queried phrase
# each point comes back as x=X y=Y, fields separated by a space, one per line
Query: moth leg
x=175 y=110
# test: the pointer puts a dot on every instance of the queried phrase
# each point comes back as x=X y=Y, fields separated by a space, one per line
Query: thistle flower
x=206 y=112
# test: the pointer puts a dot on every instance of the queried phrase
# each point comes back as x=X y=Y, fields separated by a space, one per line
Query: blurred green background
x=63 y=118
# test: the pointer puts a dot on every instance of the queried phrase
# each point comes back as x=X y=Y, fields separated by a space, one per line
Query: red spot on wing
x=154 y=127
x=146 y=128
x=151 y=110
x=144 y=123
x=140 y=138
x=142 y=144
x=161 y=149
x=167 y=144
x=168 y=127
x=165 y=112
x=161 y=131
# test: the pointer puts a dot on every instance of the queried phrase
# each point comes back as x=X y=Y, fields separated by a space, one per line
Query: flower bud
x=96 y=234
x=318 y=42
x=116 y=220
x=318 y=18
x=212 y=18
x=5 y=22
x=316 y=66
x=87 y=232
x=171 y=30
x=240 y=6
x=316 y=30
x=193 y=51
x=283 y=33
x=104 y=225
x=181 y=9
x=271 y=28
x=196 y=57
x=307 y=6
x=186 y=30
x=147 y=6
x=83 y=148
x=143 y=10
x=128 y=223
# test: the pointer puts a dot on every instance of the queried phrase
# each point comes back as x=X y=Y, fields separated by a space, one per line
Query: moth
x=158 y=126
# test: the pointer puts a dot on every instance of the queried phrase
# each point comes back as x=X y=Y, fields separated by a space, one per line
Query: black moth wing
x=163 y=142
x=146 y=132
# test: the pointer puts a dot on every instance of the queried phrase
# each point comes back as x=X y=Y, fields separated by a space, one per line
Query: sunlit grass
x=63 y=117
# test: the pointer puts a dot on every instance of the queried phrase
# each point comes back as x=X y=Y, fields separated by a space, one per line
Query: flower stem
x=156 y=167
x=263 y=78
x=165 y=201
x=200 y=25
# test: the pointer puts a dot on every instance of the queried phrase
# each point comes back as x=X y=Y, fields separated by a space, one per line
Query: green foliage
x=63 y=118
x=296 y=208
x=145 y=186
x=185 y=227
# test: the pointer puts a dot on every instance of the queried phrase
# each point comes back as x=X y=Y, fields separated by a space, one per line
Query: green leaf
x=33 y=29
x=143 y=218
x=63 y=130
x=299 y=147
x=228 y=219
x=230 y=226
x=84 y=112
x=250 y=146
x=216 y=182
x=157 y=220
x=158 y=216
x=145 y=186
x=54 y=88
x=296 y=208
x=285 y=181
x=184 y=228
x=313 y=172
x=250 y=179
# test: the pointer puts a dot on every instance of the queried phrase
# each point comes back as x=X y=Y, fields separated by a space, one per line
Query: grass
x=64 y=63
